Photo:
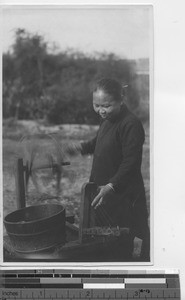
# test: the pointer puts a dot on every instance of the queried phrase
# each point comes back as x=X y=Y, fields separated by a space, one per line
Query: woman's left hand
x=104 y=190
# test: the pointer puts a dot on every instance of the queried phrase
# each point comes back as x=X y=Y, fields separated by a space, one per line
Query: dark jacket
x=117 y=150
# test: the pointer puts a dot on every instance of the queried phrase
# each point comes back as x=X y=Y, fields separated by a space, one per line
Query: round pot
x=36 y=228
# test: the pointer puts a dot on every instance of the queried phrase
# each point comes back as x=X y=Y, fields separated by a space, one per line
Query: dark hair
x=109 y=86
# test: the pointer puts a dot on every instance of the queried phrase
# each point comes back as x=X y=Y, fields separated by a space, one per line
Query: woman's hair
x=109 y=86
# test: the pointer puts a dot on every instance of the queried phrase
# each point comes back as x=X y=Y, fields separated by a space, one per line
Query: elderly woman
x=116 y=168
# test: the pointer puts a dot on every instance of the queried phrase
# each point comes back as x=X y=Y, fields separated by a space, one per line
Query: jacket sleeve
x=89 y=146
x=131 y=138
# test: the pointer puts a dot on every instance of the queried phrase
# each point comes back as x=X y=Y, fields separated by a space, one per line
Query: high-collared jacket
x=117 y=159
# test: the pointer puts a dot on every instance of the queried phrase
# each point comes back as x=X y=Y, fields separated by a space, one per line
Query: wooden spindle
x=20 y=184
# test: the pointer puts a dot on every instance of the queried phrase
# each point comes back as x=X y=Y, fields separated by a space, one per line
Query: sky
x=123 y=30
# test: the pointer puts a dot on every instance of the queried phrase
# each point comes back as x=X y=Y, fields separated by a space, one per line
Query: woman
x=116 y=167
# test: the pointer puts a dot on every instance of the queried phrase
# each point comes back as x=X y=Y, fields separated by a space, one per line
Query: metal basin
x=36 y=228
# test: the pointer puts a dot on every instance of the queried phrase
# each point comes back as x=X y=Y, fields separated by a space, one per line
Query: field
x=73 y=176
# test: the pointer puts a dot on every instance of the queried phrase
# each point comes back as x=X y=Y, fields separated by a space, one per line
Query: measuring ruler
x=29 y=284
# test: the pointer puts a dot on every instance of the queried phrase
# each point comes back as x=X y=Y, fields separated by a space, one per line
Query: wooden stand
x=20 y=183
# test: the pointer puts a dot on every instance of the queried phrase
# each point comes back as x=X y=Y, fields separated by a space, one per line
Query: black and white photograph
x=77 y=98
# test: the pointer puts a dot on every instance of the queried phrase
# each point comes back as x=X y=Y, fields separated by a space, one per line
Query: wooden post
x=20 y=184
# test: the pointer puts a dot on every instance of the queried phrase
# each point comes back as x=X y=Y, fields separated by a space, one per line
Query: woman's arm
x=83 y=148
x=89 y=146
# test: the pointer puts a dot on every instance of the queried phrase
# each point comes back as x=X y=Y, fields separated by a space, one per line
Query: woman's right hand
x=73 y=149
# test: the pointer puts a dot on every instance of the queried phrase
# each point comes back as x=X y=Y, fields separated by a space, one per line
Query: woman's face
x=105 y=105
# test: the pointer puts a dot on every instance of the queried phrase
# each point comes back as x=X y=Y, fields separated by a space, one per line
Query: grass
x=73 y=176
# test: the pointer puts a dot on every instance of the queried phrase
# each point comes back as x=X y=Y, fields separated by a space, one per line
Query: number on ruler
x=136 y=293
x=88 y=294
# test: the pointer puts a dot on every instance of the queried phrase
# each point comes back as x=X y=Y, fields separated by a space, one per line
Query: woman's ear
x=124 y=94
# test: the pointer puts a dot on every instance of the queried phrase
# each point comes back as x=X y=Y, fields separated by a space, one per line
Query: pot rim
x=34 y=221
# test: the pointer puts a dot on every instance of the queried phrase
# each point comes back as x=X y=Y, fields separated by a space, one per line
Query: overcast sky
x=123 y=30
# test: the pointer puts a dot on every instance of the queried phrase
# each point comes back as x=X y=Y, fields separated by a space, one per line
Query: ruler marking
x=102 y=280
x=60 y=281
x=102 y=286
x=145 y=280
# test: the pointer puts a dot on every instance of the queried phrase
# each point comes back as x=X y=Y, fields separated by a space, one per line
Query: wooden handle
x=55 y=165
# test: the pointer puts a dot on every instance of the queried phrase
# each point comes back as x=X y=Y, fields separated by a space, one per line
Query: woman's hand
x=73 y=149
x=103 y=191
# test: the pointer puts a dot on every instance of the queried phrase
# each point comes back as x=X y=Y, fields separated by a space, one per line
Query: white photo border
x=93 y=265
